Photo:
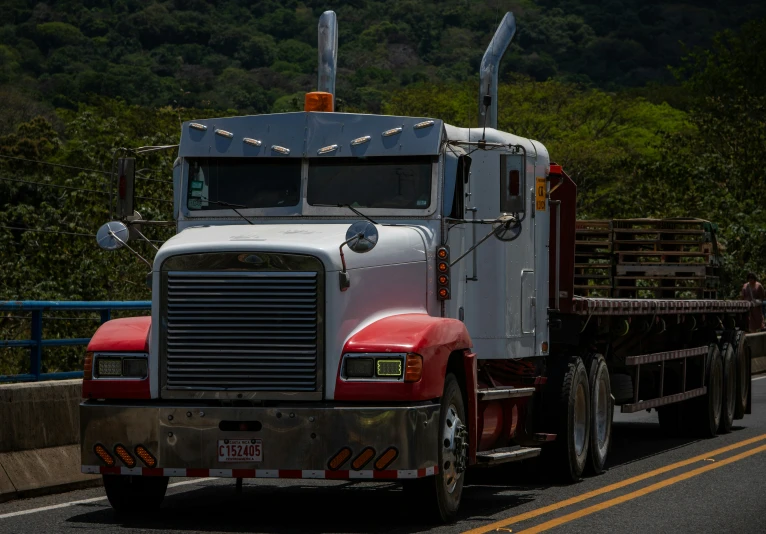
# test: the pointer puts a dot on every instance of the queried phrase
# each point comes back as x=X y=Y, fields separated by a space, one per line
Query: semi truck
x=370 y=297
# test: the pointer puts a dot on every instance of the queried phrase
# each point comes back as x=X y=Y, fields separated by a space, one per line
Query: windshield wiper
x=345 y=206
x=229 y=205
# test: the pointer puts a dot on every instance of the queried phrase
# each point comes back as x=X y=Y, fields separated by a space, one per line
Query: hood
x=396 y=244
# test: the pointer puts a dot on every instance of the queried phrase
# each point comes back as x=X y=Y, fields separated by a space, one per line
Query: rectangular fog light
x=392 y=368
x=135 y=367
x=109 y=367
x=359 y=367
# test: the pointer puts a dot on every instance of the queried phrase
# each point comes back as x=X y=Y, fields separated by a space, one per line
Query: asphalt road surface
x=653 y=484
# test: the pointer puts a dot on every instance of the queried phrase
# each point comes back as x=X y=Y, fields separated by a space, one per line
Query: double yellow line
x=500 y=525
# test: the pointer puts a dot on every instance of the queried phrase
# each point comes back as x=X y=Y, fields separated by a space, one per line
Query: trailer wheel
x=571 y=446
x=602 y=409
x=707 y=409
x=135 y=494
x=743 y=375
x=445 y=489
x=729 y=393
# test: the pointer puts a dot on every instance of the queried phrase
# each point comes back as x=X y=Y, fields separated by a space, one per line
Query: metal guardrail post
x=106 y=315
x=36 y=350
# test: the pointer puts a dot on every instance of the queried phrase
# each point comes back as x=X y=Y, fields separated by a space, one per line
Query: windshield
x=247 y=182
x=398 y=183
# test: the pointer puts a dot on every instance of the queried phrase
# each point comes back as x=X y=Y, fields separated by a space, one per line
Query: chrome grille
x=242 y=330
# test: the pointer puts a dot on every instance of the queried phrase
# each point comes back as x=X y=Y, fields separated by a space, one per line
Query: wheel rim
x=601 y=411
x=453 y=449
x=580 y=420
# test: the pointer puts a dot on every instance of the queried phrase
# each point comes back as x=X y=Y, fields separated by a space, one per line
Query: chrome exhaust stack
x=328 y=53
x=489 y=70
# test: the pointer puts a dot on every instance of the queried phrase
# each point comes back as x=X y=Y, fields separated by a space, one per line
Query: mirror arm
x=343 y=276
x=130 y=249
x=145 y=238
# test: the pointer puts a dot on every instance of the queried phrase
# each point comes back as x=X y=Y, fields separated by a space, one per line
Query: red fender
x=130 y=334
x=433 y=338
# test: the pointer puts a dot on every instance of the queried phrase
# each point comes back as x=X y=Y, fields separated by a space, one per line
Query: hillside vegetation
x=255 y=56
x=81 y=80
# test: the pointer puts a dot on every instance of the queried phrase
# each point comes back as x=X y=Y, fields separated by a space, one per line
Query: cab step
x=509 y=454
x=490 y=394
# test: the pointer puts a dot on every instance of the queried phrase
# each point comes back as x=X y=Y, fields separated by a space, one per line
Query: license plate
x=240 y=450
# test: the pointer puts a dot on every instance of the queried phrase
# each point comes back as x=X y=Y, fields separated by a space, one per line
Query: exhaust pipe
x=488 y=72
x=328 y=53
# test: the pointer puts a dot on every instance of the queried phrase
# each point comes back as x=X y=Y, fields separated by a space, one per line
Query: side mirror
x=112 y=236
x=366 y=236
x=126 y=179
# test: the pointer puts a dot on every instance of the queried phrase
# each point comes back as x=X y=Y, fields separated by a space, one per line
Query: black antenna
x=487 y=101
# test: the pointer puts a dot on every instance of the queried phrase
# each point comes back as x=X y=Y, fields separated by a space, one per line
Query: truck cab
x=354 y=296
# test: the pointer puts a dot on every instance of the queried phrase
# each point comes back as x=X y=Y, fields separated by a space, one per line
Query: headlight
x=121 y=366
x=383 y=367
x=109 y=367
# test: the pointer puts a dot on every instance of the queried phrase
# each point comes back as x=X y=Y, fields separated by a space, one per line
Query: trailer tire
x=742 y=357
x=135 y=494
x=574 y=421
x=707 y=409
x=602 y=410
x=444 y=490
x=729 y=389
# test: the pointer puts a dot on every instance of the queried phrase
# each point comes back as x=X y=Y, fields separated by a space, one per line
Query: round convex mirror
x=112 y=235
x=367 y=241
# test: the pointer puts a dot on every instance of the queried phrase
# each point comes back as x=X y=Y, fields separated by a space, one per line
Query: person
x=754 y=292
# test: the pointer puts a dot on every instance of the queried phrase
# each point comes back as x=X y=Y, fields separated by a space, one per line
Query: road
x=653 y=484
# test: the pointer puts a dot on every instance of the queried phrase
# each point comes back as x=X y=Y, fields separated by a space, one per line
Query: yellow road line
x=640 y=493
x=606 y=489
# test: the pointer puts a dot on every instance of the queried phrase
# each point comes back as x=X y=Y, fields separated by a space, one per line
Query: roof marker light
x=361 y=140
x=224 y=133
x=280 y=149
x=327 y=149
x=392 y=131
x=250 y=141
x=198 y=126
x=424 y=124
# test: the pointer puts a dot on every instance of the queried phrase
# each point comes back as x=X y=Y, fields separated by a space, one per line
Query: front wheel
x=135 y=494
x=445 y=489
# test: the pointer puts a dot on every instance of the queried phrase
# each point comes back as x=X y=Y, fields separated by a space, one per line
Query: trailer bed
x=618 y=306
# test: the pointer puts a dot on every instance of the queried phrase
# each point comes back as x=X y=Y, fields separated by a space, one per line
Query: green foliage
x=159 y=53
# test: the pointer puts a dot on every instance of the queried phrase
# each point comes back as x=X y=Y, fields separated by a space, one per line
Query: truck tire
x=742 y=358
x=706 y=414
x=601 y=409
x=571 y=450
x=443 y=491
x=135 y=494
x=729 y=390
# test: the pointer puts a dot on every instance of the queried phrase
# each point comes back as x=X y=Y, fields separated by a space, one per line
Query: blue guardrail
x=36 y=344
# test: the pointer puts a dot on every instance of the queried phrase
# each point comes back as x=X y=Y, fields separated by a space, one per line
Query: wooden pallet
x=593 y=270
x=646 y=258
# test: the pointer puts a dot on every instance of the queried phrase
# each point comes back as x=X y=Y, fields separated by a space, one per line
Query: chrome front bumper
x=298 y=441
